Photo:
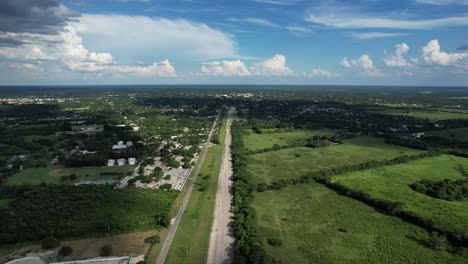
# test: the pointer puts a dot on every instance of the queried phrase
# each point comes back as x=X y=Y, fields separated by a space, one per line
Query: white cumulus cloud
x=432 y=54
x=398 y=60
x=225 y=68
x=363 y=64
x=317 y=72
x=143 y=36
x=275 y=66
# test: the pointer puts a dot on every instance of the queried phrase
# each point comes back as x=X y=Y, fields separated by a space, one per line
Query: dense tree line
x=248 y=247
x=63 y=211
x=446 y=190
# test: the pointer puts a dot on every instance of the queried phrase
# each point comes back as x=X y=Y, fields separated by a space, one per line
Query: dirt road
x=221 y=238
x=172 y=231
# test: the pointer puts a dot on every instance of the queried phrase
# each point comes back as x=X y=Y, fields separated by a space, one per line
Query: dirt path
x=221 y=238
x=172 y=231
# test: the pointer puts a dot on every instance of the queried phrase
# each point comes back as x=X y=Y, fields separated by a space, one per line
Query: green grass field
x=391 y=183
x=255 y=141
x=432 y=115
x=308 y=218
x=4 y=203
x=453 y=133
x=52 y=175
x=295 y=162
x=190 y=244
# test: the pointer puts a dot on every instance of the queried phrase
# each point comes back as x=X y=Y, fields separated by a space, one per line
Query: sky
x=329 y=42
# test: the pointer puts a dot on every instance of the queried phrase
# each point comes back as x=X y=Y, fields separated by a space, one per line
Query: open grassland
x=190 y=244
x=391 y=183
x=432 y=115
x=316 y=225
x=52 y=175
x=295 y=162
x=254 y=141
x=453 y=133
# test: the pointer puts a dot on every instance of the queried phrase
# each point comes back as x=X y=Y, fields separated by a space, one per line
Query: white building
x=110 y=162
x=119 y=146
x=121 y=162
x=131 y=161
x=129 y=144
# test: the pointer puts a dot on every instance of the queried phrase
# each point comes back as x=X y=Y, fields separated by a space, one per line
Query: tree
x=106 y=250
x=153 y=240
x=162 y=219
x=50 y=243
x=65 y=251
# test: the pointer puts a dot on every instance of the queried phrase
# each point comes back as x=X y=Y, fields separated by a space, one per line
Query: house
x=131 y=161
x=110 y=163
x=129 y=144
x=121 y=162
x=418 y=135
x=120 y=147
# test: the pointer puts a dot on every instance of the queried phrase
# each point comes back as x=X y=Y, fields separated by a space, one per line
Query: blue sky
x=372 y=42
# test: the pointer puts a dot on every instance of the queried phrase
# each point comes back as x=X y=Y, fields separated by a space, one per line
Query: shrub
x=275 y=242
x=437 y=242
x=153 y=240
x=65 y=251
x=106 y=251
x=49 y=243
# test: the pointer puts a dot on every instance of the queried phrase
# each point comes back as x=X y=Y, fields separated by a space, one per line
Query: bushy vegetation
x=106 y=250
x=447 y=189
x=77 y=211
x=65 y=251
x=247 y=247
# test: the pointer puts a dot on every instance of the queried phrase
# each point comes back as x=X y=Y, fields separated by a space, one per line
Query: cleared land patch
x=254 y=141
x=132 y=244
x=391 y=183
x=316 y=225
x=295 y=162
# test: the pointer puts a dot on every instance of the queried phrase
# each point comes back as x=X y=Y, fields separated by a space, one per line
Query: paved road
x=221 y=238
x=172 y=231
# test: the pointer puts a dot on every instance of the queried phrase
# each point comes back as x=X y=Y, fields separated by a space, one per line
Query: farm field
x=391 y=183
x=452 y=133
x=52 y=175
x=432 y=115
x=254 y=141
x=316 y=225
x=190 y=244
x=295 y=162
